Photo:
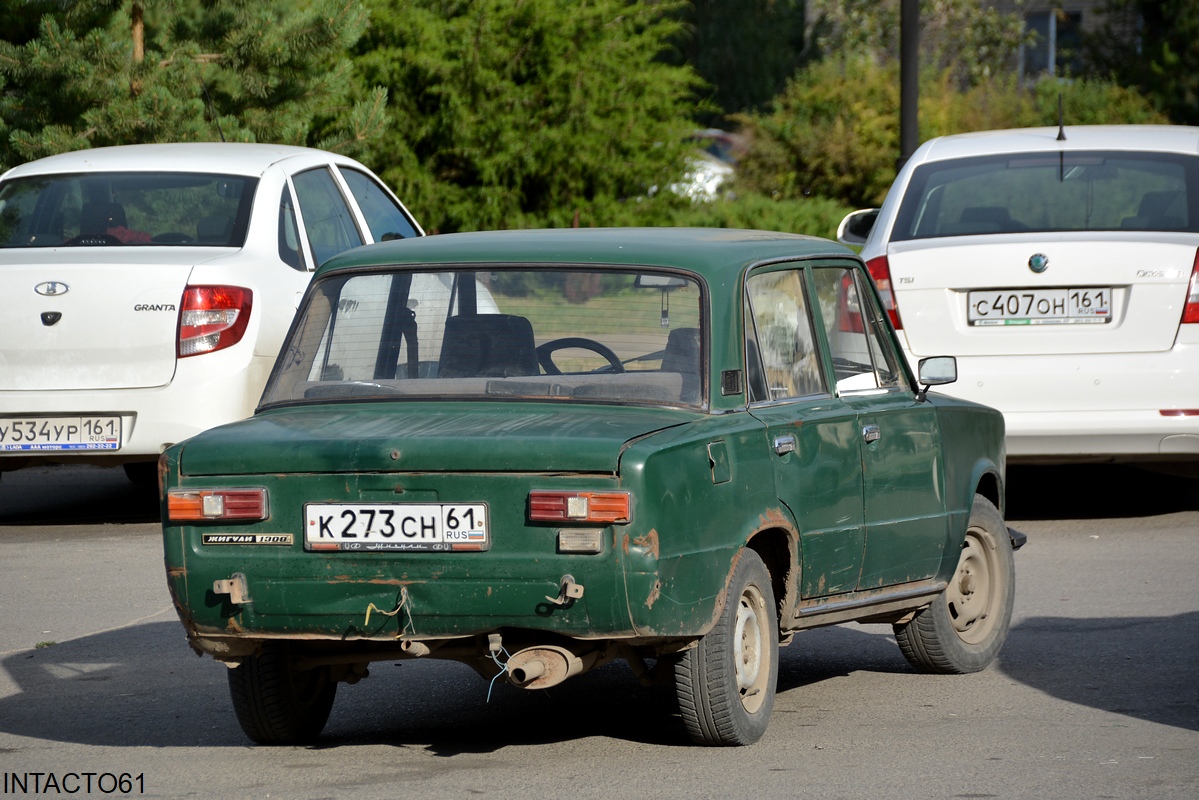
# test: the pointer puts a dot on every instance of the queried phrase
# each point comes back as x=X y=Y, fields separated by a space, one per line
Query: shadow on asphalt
x=1096 y=491
x=1140 y=667
x=142 y=687
x=63 y=494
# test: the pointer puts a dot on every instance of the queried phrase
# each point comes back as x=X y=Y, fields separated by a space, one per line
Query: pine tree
x=98 y=72
x=521 y=113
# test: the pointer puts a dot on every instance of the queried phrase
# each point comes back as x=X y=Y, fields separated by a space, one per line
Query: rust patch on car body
x=649 y=541
x=654 y=594
x=375 y=581
x=774 y=518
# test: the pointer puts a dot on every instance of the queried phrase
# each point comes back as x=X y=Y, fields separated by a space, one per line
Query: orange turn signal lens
x=593 y=507
x=217 y=504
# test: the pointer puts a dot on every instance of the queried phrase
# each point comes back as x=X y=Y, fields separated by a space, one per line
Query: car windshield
x=1080 y=191
x=558 y=335
x=101 y=209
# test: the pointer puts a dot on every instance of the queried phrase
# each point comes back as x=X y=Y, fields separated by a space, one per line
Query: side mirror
x=857 y=226
x=936 y=371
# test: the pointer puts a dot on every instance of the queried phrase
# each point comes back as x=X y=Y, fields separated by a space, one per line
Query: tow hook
x=236 y=587
x=568 y=592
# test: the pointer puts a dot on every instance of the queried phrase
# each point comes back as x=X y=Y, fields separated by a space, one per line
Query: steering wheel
x=545 y=353
x=92 y=240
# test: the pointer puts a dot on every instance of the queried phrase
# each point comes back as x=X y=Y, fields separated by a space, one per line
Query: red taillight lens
x=849 y=308
x=880 y=271
x=212 y=318
x=1190 y=314
x=593 y=507
x=217 y=504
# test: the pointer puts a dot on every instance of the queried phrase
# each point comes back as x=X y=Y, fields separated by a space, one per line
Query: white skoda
x=1060 y=266
x=145 y=290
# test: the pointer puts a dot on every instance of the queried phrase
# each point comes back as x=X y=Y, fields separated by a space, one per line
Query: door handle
x=784 y=444
x=870 y=433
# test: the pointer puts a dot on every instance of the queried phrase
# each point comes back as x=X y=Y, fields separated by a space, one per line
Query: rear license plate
x=419 y=527
x=59 y=433
x=1083 y=306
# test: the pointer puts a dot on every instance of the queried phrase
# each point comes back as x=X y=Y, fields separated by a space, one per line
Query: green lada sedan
x=536 y=452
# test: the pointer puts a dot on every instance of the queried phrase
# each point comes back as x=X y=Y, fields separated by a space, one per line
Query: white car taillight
x=880 y=270
x=1190 y=314
x=212 y=318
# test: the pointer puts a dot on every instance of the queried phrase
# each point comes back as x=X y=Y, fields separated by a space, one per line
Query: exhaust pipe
x=545 y=666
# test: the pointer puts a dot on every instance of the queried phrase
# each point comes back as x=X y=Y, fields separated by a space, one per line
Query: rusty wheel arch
x=777 y=543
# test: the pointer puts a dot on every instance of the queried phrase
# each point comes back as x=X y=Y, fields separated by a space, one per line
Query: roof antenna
x=1061 y=124
x=217 y=122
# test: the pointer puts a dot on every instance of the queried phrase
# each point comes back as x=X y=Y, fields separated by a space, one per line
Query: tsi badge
x=1038 y=262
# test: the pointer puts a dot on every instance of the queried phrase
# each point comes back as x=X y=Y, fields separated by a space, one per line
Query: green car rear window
x=561 y=335
x=1051 y=192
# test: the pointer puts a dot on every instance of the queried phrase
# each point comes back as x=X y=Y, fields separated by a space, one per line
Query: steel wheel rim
x=971 y=595
x=751 y=640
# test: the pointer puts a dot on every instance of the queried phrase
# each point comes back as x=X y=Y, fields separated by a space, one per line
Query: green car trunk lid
x=424 y=437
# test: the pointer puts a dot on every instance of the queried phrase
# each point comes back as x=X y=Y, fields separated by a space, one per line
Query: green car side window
x=863 y=358
x=781 y=347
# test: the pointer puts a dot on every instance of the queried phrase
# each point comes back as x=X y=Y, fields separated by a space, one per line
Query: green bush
x=834 y=131
x=814 y=216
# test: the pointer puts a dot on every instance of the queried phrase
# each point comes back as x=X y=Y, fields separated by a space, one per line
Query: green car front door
x=904 y=489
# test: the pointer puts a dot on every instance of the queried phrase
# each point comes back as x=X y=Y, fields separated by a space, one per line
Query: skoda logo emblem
x=51 y=288
x=1038 y=262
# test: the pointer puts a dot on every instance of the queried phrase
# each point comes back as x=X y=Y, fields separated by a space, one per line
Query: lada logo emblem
x=51 y=288
x=1038 y=262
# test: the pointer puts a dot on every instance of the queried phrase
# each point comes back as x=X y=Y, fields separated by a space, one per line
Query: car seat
x=487 y=345
x=681 y=355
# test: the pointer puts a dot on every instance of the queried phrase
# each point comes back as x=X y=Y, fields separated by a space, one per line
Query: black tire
x=278 y=704
x=726 y=684
x=965 y=626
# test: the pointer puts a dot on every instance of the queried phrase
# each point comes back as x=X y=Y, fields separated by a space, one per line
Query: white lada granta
x=145 y=290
